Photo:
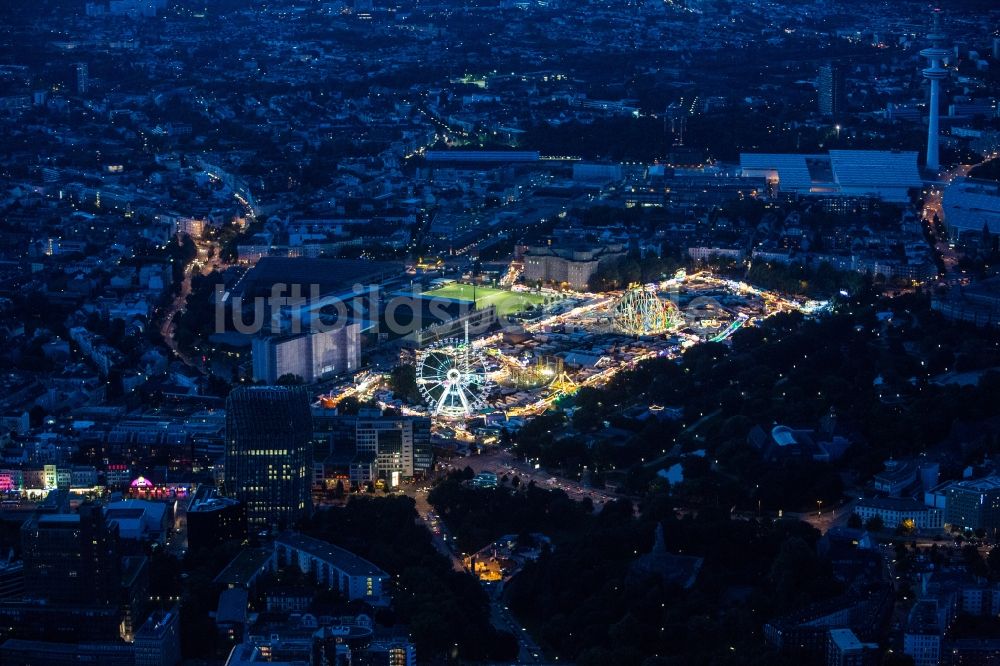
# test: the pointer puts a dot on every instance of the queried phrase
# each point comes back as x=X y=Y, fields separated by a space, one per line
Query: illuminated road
x=595 y=302
x=504 y=620
x=364 y=387
x=205 y=261
x=429 y=519
x=933 y=207
x=503 y=462
x=169 y=326
x=176 y=543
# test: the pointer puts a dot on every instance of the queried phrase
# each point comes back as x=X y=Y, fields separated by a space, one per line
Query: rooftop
x=245 y=653
x=983 y=485
x=210 y=501
x=232 y=606
x=57 y=520
x=841 y=172
x=334 y=555
x=244 y=567
x=331 y=275
x=971 y=204
x=845 y=640
x=156 y=624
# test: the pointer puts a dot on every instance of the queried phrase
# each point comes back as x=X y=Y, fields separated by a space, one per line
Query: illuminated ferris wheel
x=453 y=379
x=640 y=311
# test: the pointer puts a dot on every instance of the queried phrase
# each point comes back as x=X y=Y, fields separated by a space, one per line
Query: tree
x=447 y=612
x=590 y=408
x=854 y=521
x=289 y=379
x=797 y=573
x=993 y=560
x=35 y=415
x=351 y=405
x=874 y=524
x=217 y=386
x=403 y=382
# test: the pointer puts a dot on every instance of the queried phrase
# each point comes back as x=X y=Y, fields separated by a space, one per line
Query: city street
x=502 y=462
x=826 y=518
x=500 y=615
x=434 y=525
x=933 y=196
x=504 y=620
x=206 y=260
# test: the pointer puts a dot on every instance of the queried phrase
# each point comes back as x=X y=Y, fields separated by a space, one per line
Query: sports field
x=507 y=302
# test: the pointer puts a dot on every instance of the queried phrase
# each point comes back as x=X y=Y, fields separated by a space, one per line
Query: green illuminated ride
x=640 y=311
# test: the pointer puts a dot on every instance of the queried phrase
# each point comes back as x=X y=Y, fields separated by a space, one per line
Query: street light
x=819 y=507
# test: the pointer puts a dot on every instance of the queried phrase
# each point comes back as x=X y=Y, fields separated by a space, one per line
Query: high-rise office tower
x=830 y=89
x=423 y=452
x=934 y=73
x=212 y=519
x=269 y=453
x=77 y=585
x=82 y=78
x=390 y=448
x=157 y=643
x=391 y=441
x=72 y=558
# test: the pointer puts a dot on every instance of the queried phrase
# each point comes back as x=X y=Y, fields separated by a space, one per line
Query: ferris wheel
x=453 y=379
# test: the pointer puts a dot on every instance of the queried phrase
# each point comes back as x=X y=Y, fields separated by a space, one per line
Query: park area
x=507 y=302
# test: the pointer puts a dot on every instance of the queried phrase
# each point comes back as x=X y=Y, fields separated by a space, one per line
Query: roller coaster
x=640 y=311
x=736 y=325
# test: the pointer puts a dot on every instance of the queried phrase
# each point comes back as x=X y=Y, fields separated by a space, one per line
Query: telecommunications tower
x=934 y=73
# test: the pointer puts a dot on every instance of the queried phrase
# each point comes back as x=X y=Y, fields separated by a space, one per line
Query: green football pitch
x=507 y=302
